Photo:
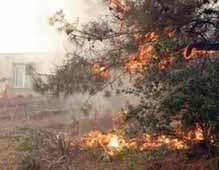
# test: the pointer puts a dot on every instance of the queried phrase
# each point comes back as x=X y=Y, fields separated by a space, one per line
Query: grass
x=25 y=143
x=35 y=147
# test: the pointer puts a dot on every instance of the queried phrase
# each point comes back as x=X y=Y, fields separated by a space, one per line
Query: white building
x=14 y=80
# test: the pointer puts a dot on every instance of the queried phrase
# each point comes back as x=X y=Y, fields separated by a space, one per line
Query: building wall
x=44 y=63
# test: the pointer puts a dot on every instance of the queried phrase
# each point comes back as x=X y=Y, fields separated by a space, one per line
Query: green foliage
x=106 y=158
x=25 y=145
x=74 y=77
x=40 y=86
x=109 y=40
x=186 y=91
x=197 y=97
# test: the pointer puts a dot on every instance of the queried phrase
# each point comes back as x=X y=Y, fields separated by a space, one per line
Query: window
x=20 y=77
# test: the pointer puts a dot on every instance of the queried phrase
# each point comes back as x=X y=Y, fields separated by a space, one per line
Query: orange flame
x=196 y=134
x=115 y=142
x=100 y=70
x=110 y=142
x=150 y=36
x=139 y=60
x=118 y=6
x=197 y=53
x=169 y=31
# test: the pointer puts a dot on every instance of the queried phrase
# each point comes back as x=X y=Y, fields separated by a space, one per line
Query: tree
x=163 y=43
x=193 y=98
x=186 y=93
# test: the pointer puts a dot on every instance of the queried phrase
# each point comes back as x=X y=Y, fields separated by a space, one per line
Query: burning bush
x=184 y=93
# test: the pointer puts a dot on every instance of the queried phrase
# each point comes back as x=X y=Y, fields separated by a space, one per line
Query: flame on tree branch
x=200 y=48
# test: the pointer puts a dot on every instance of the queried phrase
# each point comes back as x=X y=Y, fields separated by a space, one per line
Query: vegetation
x=166 y=55
x=169 y=52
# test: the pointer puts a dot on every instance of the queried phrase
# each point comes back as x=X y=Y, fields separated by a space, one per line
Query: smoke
x=88 y=10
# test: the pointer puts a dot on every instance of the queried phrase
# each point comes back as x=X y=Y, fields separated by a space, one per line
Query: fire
x=196 y=53
x=196 y=134
x=114 y=142
x=110 y=142
x=169 y=31
x=139 y=60
x=151 y=36
x=134 y=63
x=119 y=6
x=199 y=134
x=165 y=62
x=97 y=68
x=100 y=70
x=151 y=141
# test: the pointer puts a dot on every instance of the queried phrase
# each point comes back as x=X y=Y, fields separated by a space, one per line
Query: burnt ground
x=20 y=115
x=16 y=152
x=11 y=157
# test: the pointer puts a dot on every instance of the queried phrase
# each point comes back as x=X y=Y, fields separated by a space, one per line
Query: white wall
x=42 y=61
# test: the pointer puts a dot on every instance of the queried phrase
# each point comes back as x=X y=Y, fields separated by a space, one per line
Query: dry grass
x=32 y=145
x=10 y=157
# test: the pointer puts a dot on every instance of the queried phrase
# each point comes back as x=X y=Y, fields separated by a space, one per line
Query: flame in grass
x=114 y=142
x=157 y=141
x=196 y=134
x=110 y=142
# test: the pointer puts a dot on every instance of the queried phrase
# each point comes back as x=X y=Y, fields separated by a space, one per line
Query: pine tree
x=165 y=46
